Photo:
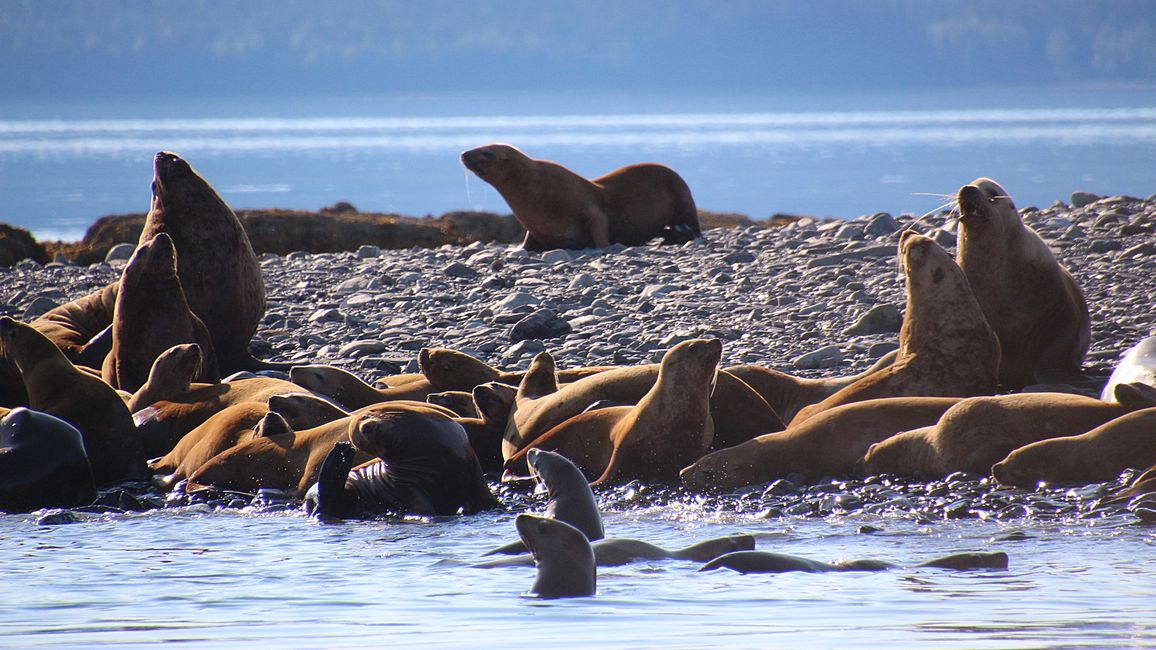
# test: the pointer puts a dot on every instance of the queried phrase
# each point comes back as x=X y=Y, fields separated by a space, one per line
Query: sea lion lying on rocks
x=42 y=463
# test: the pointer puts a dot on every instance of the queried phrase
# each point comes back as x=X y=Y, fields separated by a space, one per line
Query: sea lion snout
x=971 y=201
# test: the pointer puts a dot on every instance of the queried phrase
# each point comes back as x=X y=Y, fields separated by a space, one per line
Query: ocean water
x=64 y=165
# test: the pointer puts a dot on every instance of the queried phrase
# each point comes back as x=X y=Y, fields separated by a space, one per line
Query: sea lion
x=448 y=369
x=619 y=551
x=946 y=348
x=348 y=390
x=221 y=431
x=786 y=394
x=73 y=325
x=1098 y=455
x=764 y=562
x=289 y=461
x=828 y=444
x=151 y=316
x=979 y=431
x=425 y=466
x=57 y=387
x=668 y=429
x=458 y=401
x=566 y=567
x=305 y=410
x=1034 y=305
x=560 y=209
x=171 y=374
x=215 y=261
x=42 y=463
x=738 y=413
x=163 y=423
x=568 y=496
x=1137 y=366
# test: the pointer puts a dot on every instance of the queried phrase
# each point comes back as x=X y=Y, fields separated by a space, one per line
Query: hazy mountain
x=137 y=47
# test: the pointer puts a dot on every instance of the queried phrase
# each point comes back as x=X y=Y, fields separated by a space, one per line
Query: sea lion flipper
x=328 y=498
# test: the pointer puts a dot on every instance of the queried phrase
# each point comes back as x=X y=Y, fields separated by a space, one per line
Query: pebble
x=120 y=252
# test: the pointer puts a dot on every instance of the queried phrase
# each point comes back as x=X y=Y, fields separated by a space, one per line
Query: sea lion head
x=494 y=163
x=304 y=410
x=453 y=370
x=693 y=361
x=177 y=186
x=927 y=264
x=565 y=559
x=182 y=361
x=20 y=339
x=154 y=258
x=983 y=202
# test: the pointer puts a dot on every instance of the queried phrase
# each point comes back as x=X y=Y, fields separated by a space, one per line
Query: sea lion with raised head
x=828 y=444
x=171 y=374
x=42 y=463
x=58 y=388
x=565 y=560
x=946 y=348
x=560 y=209
x=151 y=316
x=1034 y=305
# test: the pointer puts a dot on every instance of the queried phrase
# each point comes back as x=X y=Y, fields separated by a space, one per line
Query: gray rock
x=527 y=348
x=542 y=324
x=657 y=290
x=362 y=347
x=827 y=357
x=582 y=281
x=367 y=252
x=840 y=258
x=881 y=225
x=459 y=270
x=740 y=257
x=944 y=237
x=1081 y=199
x=120 y=252
x=880 y=319
x=38 y=307
x=513 y=301
x=851 y=231
x=326 y=316
x=556 y=256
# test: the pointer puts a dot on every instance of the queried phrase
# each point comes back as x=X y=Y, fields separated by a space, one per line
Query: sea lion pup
x=668 y=429
x=946 y=348
x=172 y=373
x=288 y=461
x=765 y=562
x=448 y=369
x=348 y=390
x=568 y=497
x=980 y=431
x=425 y=466
x=1034 y=305
x=786 y=394
x=215 y=261
x=1092 y=457
x=151 y=316
x=1137 y=366
x=560 y=209
x=829 y=444
x=57 y=387
x=162 y=424
x=737 y=411
x=565 y=560
x=42 y=463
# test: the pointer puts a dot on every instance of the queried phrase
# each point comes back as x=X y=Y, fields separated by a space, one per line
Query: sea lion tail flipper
x=327 y=498
x=513 y=548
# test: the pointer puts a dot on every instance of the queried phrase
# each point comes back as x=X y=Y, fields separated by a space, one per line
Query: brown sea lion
x=42 y=463
x=1034 y=305
x=978 y=432
x=829 y=444
x=560 y=209
x=448 y=369
x=220 y=432
x=946 y=348
x=1098 y=455
x=73 y=325
x=151 y=316
x=58 y=388
x=216 y=264
x=288 y=461
x=348 y=390
x=786 y=394
x=668 y=429
x=163 y=423
x=425 y=466
x=171 y=374
x=460 y=402
x=737 y=411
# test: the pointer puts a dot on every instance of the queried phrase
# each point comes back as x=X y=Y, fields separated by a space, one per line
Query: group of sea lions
x=126 y=382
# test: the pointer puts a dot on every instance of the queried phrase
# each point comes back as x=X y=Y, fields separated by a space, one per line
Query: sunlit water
x=228 y=578
x=63 y=166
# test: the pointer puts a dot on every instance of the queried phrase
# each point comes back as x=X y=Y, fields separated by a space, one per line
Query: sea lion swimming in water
x=42 y=463
x=764 y=562
x=565 y=560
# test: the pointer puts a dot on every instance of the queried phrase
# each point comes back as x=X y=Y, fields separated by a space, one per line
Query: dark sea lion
x=787 y=394
x=42 y=463
x=618 y=551
x=151 y=316
x=568 y=496
x=1137 y=366
x=764 y=562
x=448 y=369
x=171 y=374
x=828 y=444
x=1092 y=457
x=560 y=209
x=58 y=388
x=1034 y=305
x=215 y=261
x=668 y=429
x=980 y=431
x=425 y=467
x=566 y=567
x=349 y=390
x=946 y=348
